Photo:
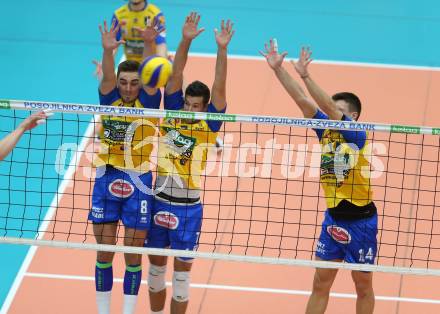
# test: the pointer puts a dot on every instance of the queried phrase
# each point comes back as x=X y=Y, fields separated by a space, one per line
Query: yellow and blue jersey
x=124 y=140
x=183 y=147
x=345 y=169
x=129 y=20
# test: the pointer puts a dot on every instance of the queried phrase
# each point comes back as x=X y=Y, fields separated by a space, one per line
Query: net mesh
x=261 y=193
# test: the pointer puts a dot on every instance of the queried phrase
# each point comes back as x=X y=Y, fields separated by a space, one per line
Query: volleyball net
x=261 y=193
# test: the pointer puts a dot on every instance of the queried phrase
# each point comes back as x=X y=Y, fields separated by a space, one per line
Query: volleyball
x=155 y=71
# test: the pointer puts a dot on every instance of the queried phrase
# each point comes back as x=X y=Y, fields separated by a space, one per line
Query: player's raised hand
x=108 y=37
x=98 y=69
x=301 y=66
x=190 y=29
x=151 y=30
x=273 y=58
x=223 y=37
x=35 y=119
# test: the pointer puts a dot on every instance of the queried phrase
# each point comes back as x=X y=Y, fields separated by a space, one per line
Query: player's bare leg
x=322 y=282
x=363 y=282
x=105 y=233
x=134 y=237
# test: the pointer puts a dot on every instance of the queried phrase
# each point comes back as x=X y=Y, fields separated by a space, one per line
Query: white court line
x=331 y=62
x=51 y=211
x=46 y=221
x=241 y=288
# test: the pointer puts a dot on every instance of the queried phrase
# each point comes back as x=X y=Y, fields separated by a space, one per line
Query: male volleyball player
x=123 y=178
x=350 y=225
x=8 y=143
x=131 y=17
x=183 y=150
x=134 y=16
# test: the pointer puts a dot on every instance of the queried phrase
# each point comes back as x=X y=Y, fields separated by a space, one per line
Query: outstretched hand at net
x=274 y=59
x=301 y=66
x=108 y=37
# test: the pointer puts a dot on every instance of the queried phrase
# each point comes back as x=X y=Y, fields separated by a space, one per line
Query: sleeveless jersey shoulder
x=121 y=11
x=153 y=9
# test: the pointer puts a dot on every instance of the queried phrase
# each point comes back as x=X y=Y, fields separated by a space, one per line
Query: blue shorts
x=353 y=241
x=175 y=226
x=117 y=197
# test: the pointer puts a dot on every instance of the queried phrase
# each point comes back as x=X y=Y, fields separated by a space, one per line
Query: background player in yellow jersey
x=350 y=225
x=183 y=149
x=122 y=189
x=131 y=17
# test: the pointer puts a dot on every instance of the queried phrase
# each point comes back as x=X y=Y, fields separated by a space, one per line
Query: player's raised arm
x=324 y=101
x=98 y=63
x=190 y=30
x=149 y=35
x=9 y=142
x=275 y=61
x=222 y=37
x=161 y=44
x=109 y=43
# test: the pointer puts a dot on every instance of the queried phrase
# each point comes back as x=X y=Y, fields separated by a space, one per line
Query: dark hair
x=128 y=66
x=197 y=89
x=353 y=101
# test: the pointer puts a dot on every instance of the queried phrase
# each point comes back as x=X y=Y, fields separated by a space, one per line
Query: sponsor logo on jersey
x=167 y=220
x=179 y=143
x=339 y=234
x=121 y=188
x=115 y=130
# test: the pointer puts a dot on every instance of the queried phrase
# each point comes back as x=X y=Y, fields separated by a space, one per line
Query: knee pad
x=156 y=278
x=186 y=259
x=181 y=286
